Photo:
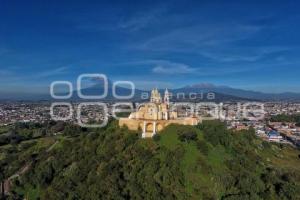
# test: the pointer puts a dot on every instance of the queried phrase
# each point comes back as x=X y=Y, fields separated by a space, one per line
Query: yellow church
x=153 y=116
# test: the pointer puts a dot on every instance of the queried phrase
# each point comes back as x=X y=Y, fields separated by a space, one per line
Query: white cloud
x=163 y=66
x=216 y=42
x=173 y=68
x=48 y=73
x=8 y=76
x=141 y=20
x=137 y=21
x=189 y=39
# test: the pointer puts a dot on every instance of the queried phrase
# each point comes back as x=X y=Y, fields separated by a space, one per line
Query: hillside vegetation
x=286 y=118
x=182 y=162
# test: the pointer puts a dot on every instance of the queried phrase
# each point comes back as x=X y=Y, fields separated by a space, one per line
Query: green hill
x=182 y=162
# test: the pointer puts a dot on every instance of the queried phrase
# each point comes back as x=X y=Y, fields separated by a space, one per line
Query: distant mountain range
x=222 y=93
x=248 y=94
x=181 y=94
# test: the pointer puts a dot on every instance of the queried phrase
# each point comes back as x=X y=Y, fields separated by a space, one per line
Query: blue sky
x=252 y=45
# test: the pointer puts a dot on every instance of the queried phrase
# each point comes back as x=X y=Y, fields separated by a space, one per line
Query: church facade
x=155 y=115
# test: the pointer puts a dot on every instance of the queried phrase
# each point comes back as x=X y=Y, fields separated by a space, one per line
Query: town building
x=274 y=136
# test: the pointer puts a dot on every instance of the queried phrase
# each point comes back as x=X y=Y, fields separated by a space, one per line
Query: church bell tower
x=167 y=97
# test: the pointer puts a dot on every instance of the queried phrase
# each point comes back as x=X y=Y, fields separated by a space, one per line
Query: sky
x=251 y=45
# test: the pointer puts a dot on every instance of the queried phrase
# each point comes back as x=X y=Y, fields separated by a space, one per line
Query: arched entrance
x=159 y=127
x=149 y=127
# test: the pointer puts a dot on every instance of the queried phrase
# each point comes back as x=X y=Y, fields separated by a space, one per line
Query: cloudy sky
x=254 y=45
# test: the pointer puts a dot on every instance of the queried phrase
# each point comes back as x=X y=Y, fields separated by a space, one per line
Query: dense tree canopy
x=286 y=118
x=183 y=162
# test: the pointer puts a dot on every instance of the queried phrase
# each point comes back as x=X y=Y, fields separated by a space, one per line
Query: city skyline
x=252 y=45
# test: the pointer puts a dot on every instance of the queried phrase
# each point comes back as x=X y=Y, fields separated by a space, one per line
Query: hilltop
x=182 y=162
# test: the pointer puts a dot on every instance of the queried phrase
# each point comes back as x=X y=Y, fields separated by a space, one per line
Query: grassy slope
x=20 y=155
x=195 y=173
x=195 y=164
x=202 y=171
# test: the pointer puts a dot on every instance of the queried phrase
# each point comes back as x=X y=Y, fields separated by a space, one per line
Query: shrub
x=188 y=136
x=156 y=137
x=203 y=147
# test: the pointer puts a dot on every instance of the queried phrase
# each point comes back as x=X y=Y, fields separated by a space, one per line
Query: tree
x=187 y=136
